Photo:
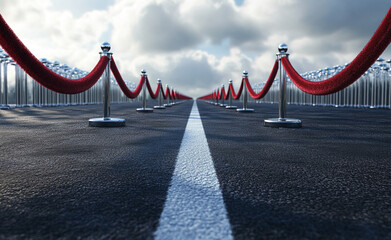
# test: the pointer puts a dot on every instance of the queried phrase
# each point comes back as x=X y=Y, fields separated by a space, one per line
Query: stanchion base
x=106 y=122
x=168 y=105
x=231 y=107
x=282 y=122
x=5 y=107
x=223 y=105
x=159 y=107
x=245 y=110
x=144 y=110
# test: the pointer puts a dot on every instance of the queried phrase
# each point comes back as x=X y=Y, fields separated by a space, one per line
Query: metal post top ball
x=380 y=59
x=105 y=47
x=159 y=80
x=245 y=73
x=283 y=48
x=230 y=81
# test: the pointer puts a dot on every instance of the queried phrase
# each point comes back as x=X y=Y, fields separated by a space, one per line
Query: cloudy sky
x=196 y=45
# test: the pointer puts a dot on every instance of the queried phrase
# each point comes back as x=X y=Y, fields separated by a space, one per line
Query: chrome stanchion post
x=282 y=121
x=173 y=97
x=160 y=105
x=168 y=104
x=144 y=109
x=230 y=106
x=245 y=97
x=106 y=121
x=222 y=98
x=217 y=96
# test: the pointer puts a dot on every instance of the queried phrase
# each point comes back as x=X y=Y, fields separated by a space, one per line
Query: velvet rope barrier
x=172 y=94
x=167 y=93
x=222 y=93
x=267 y=86
x=237 y=95
x=155 y=94
x=225 y=94
x=206 y=97
x=183 y=97
x=39 y=72
x=363 y=61
x=122 y=83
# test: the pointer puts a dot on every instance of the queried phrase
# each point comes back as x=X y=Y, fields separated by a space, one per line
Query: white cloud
x=164 y=36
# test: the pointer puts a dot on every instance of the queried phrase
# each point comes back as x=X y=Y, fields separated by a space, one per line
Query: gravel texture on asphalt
x=329 y=179
x=60 y=178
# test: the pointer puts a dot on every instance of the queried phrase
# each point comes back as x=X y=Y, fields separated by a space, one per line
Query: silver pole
x=144 y=108
x=222 y=98
x=106 y=84
x=230 y=106
x=160 y=97
x=217 y=97
x=282 y=121
x=168 y=98
x=144 y=92
x=282 y=99
x=245 y=96
x=106 y=121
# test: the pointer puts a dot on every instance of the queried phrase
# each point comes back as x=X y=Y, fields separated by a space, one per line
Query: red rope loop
x=155 y=94
x=237 y=95
x=364 y=60
x=122 y=83
x=267 y=86
x=39 y=72
x=167 y=93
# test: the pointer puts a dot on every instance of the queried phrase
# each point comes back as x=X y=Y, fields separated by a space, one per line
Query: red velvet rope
x=122 y=84
x=39 y=72
x=209 y=96
x=267 y=86
x=183 y=97
x=218 y=95
x=172 y=94
x=167 y=93
x=364 y=60
x=222 y=93
x=236 y=96
x=225 y=94
x=155 y=94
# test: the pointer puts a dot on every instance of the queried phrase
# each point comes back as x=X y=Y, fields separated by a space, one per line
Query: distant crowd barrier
x=77 y=82
x=336 y=84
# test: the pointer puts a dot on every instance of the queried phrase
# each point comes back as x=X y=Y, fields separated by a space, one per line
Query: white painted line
x=194 y=208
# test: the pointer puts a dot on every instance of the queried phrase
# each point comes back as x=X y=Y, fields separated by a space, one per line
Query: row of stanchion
x=107 y=120
x=336 y=84
x=60 y=84
x=371 y=90
x=18 y=89
x=246 y=89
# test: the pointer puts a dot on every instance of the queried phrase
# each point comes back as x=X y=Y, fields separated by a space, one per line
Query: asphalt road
x=329 y=179
x=63 y=179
